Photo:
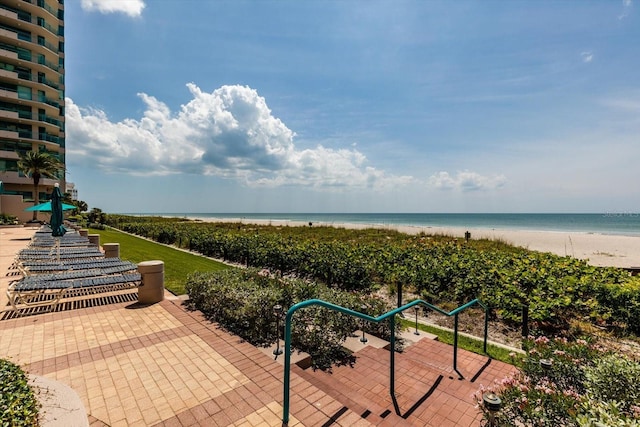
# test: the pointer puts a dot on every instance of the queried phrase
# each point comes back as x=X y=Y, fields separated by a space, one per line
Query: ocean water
x=605 y=223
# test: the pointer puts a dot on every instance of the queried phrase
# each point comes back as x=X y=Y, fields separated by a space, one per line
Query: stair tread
x=425 y=380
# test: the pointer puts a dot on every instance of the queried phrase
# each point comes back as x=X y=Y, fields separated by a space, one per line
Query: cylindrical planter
x=152 y=288
x=111 y=250
x=94 y=239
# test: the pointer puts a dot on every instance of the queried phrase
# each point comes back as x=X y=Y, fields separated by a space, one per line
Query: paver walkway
x=164 y=365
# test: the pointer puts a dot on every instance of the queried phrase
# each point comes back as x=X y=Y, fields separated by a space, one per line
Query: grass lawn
x=177 y=264
x=465 y=342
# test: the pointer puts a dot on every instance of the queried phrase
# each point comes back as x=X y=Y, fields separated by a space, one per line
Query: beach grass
x=178 y=264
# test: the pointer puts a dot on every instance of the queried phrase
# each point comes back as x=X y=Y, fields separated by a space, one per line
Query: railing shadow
x=420 y=401
x=481 y=370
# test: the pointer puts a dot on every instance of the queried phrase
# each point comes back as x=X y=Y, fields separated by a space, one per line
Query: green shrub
x=96 y=216
x=7 y=219
x=18 y=405
x=619 y=303
x=242 y=301
x=614 y=378
x=595 y=413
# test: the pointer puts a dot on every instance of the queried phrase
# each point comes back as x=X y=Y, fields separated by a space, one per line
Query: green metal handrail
x=389 y=315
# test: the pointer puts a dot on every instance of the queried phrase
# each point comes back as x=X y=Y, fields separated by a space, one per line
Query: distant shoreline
x=599 y=249
x=618 y=224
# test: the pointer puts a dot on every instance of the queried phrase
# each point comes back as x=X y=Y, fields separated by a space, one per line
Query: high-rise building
x=31 y=89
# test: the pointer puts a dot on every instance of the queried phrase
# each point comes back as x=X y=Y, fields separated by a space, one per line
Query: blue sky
x=354 y=106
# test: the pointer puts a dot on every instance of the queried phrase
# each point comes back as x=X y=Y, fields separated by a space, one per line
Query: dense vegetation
x=18 y=405
x=6 y=219
x=556 y=290
x=243 y=301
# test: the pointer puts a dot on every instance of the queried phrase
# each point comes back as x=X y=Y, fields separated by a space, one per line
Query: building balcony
x=40 y=64
x=51 y=141
x=12 y=155
x=13 y=115
x=12 y=177
x=8 y=35
x=52 y=124
x=8 y=14
x=34 y=6
x=8 y=94
x=7 y=54
x=20 y=77
x=8 y=74
x=28 y=96
x=9 y=134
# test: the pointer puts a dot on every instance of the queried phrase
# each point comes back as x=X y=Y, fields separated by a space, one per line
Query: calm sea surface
x=606 y=223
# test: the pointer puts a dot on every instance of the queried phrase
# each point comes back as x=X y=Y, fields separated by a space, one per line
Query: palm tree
x=81 y=206
x=36 y=164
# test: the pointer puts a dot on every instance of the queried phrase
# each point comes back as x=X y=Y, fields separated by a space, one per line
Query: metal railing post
x=277 y=311
x=392 y=362
x=455 y=343
x=287 y=366
x=486 y=329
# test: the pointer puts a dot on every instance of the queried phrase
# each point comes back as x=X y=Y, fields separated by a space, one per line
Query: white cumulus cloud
x=132 y=8
x=466 y=181
x=229 y=133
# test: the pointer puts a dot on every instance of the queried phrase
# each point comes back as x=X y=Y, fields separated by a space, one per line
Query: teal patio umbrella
x=57 y=229
x=46 y=207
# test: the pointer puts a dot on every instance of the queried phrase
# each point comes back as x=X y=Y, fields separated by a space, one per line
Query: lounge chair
x=34 y=292
x=63 y=250
x=63 y=244
x=80 y=274
x=47 y=255
x=34 y=267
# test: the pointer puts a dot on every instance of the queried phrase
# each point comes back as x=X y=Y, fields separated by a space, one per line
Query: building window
x=24 y=93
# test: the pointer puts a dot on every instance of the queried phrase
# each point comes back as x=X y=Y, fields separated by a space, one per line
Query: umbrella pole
x=58 y=248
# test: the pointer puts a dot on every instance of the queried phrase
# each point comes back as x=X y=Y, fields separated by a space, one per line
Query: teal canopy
x=46 y=207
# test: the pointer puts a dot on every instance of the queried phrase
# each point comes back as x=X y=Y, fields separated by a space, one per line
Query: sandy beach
x=599 y=249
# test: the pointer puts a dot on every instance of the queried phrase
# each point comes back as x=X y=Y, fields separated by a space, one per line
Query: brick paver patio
x=164 y=365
